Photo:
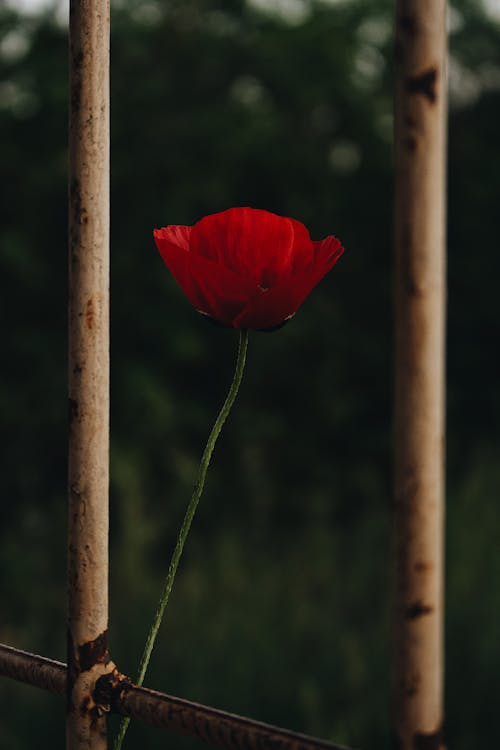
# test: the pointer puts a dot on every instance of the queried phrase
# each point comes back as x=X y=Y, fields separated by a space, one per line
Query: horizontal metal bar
x=217 y=727
x=33 y=669
x=115 y=692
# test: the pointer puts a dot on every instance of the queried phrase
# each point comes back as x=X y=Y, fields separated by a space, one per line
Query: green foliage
x=280 y=610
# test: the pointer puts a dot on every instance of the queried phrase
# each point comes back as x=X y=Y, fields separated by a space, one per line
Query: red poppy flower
x=245 y=267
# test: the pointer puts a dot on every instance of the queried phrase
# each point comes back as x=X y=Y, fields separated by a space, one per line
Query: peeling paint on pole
x=88 y=370
x=420 y=140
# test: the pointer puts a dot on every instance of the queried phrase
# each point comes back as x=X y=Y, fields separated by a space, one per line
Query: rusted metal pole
x=420 y=138
x=116 y=693
x=88 y=369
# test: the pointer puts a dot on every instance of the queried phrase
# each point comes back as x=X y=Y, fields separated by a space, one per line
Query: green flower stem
x=186 y=524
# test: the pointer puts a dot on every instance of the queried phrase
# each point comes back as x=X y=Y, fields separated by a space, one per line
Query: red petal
x=328 y=251
x=176 y=234
x=253 y=243
x=210 y=287
x=173 y=244
x=225 y=294
x=270 y=308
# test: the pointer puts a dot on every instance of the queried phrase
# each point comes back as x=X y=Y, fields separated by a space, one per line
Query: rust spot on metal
x=423 y=567
x=90 y=314
x=418 y=609
x=424 y=83
x=93 y=652
x=88 y=707
x=110 y=688
x=432 y=741
x=79 y=214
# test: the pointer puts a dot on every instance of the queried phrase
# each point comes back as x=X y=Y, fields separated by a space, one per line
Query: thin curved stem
x=188 y=518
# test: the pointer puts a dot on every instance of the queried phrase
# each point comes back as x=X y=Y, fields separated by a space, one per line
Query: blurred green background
x=281 y=607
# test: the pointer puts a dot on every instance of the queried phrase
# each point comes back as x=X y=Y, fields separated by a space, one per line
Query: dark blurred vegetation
x=281 y=607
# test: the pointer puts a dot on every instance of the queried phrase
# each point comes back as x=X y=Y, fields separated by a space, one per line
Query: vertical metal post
x=420 y=140
x=88 y=369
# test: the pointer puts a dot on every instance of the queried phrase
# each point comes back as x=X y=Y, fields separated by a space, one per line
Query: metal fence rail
x=116 y=693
